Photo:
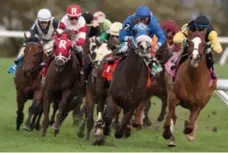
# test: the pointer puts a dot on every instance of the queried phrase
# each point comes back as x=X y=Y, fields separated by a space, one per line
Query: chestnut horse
x=191 y=88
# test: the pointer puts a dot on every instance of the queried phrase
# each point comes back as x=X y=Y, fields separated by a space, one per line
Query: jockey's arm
x=215 y=44
x=158 y=32
x=125 y=31
x=106 y=25
x=32 y=31
x=103 y=37
x=81 y=36
x=180 y=36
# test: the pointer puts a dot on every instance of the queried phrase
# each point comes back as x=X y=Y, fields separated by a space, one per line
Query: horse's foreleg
x=138 y=121
x=117 y=115
x=191 y=125
x=108 y=115
x=125 y=120
x=55 y=108
x=62 y=108
x=31 y=112
x=146 y=120
x=163 y=109
x=20 y=107
x=46 y=108
x=172 y=102
x=171 y=142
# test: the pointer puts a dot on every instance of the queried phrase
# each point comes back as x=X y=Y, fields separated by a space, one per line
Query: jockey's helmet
x=115 y=28
x=44 y=15
x=99 y=16
x=201 y=22
x=74 y=11
x=143 y=12
x=88 y=18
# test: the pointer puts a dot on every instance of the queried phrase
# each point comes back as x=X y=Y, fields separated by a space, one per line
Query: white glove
x=158 y=45
x=28 y=34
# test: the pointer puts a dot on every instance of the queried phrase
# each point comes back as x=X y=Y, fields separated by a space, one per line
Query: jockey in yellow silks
x=200 y=23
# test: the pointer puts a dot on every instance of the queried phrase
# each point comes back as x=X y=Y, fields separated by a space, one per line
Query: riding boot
x=210 y=65
x=79 y=56
x=183 y=56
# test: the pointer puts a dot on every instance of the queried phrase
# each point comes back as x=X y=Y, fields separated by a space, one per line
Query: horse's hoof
x=127 y=133
x=160 y=118
x=118 y=135
x=190 y=138
x=27 y=128
x=167 y=134
x=54 y=126
x=188 y=130
x=80 y=135
x=171 y=144
x=38 y=127
x=98 y=140
x=107 y=131
x=56 y=132
x=51 y=123
x=147 y=122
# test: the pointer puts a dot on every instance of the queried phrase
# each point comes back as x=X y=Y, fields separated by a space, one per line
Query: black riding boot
x=210 y=65
x=182 y=58
x=79 y=57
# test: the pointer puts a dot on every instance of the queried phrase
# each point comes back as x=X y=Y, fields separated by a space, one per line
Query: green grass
x=214 y=115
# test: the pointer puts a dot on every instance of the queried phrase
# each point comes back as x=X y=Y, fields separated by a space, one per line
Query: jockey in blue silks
x=142 y=15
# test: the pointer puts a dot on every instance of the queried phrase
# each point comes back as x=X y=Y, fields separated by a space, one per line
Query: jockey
x=111 y=36
x=91 y=30
x=44 y=27
x=144 y=15
x=74 y=22
x=101 y=21
x=200 y=23
x=171 y=28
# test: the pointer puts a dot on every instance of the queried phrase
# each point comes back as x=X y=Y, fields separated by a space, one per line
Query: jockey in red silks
x=171 y=28
x=76 y=23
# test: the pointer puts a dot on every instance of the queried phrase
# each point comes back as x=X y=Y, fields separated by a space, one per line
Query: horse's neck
x=133 y=61
x=198 y=74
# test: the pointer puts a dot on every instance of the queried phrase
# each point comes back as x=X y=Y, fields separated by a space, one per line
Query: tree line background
x=19 y=15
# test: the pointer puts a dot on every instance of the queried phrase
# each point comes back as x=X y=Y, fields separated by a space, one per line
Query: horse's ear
x=25 y=36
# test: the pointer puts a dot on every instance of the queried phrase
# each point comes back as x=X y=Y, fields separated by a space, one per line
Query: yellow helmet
x=115 y=28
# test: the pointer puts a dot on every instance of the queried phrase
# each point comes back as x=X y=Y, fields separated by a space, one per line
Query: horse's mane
x=33 y=39
x=197 y=34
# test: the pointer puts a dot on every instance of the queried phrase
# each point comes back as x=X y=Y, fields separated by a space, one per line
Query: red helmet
x=74 y=10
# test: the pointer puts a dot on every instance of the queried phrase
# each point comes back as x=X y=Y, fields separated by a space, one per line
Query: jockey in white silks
x=44 y=27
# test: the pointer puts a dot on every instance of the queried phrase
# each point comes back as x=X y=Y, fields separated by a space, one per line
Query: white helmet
x=115 y=28
x=99 y=16
x=44 y=15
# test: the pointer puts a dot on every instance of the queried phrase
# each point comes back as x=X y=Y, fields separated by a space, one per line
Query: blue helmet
x=143 y=11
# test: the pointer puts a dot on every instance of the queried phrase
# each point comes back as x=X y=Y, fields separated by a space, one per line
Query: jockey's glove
x=184 y=42
x=158 y=45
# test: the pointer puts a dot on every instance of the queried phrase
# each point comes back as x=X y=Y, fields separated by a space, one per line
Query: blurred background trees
x=19 y=15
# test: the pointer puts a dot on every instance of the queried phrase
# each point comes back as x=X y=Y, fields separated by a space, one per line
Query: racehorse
x=28 y=82
x=191 y=88
x=61 y=81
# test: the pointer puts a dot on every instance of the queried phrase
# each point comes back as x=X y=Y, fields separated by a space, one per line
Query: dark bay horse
x=62 y=79
x=129 y=86
x=97 y=86
x=28 y=81
x=191 y=88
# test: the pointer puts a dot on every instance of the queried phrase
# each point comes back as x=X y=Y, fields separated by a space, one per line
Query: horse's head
x=100 y=52
x=141 y=33
x=62 y=51
x=33 y=54
x=144 y=43
x=196 y=46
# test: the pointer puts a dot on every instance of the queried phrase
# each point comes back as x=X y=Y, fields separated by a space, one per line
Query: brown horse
x=28 y=82
x=129 y=86
x=63 y=76
x=191 y=87
x=97 y=86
